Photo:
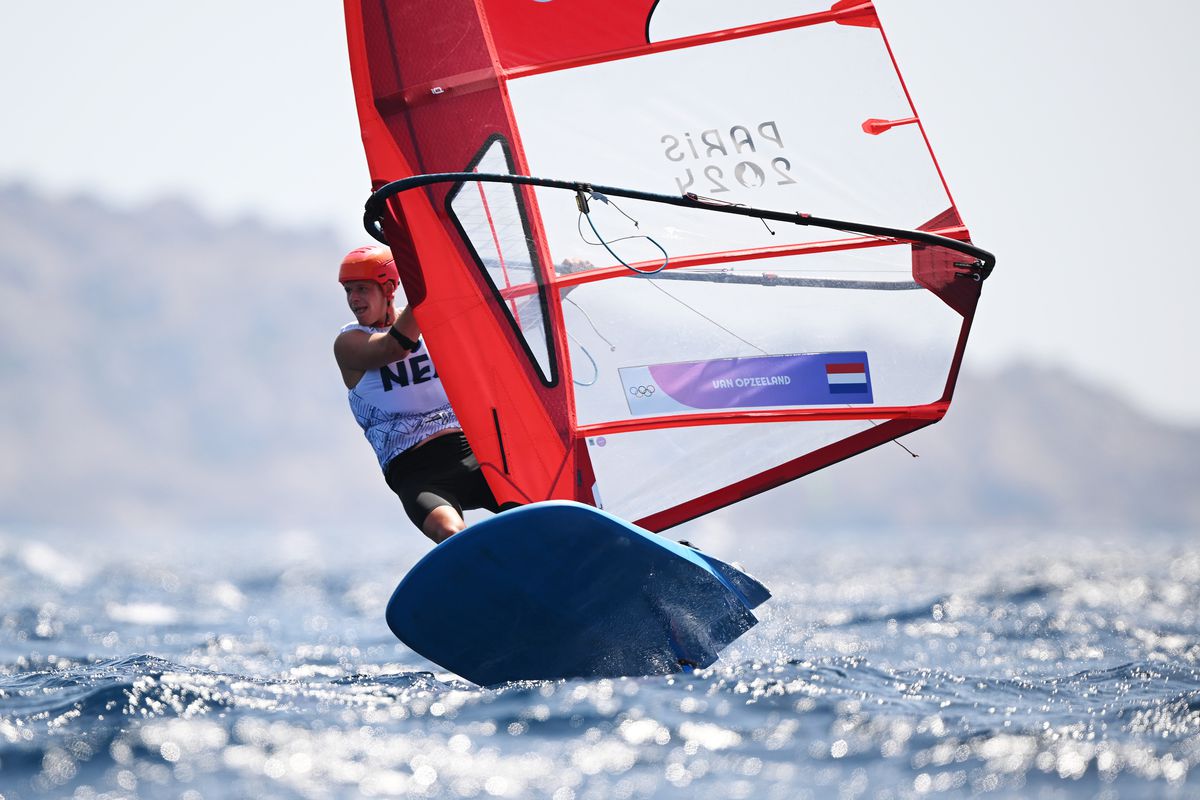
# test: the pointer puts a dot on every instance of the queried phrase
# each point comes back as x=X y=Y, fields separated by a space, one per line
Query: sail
x=668 y=254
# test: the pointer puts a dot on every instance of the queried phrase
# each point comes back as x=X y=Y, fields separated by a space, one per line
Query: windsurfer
x=398 y=400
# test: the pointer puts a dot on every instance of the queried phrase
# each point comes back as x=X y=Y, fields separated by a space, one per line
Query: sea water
x=1024 y=664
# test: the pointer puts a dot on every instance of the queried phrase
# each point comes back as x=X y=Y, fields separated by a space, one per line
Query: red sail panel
x=426 y=106
x=532 y=33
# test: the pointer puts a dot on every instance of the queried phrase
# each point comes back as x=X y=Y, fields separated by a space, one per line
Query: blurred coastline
x=163 y=372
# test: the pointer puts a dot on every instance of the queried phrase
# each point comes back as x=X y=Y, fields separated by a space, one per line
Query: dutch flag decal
x=847 y=378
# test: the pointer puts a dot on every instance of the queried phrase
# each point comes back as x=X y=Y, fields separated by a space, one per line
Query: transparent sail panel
x=790 y=332
x=725 y=121
x=493 y=221
x=638 y=474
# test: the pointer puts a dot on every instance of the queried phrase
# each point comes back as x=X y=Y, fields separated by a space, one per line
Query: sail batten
x=931 y=412
x=685 y=42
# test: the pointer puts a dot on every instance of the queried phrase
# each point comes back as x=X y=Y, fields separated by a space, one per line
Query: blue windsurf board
x=559 y=589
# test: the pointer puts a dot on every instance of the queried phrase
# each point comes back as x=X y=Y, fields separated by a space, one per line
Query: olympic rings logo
x=641 y=391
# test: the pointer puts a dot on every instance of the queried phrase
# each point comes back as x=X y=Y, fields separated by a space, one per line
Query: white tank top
x=401 y=404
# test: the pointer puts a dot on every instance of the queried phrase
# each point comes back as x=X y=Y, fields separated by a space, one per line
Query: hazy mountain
x=158 y=369
x=1027 y=446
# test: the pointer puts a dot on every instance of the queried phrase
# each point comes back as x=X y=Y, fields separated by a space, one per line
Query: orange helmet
x=371 y=263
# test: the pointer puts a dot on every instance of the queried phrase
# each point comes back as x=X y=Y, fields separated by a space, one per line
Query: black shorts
x=440 y=472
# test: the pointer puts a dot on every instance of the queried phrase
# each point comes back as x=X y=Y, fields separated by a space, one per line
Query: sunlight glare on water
x=885 y=666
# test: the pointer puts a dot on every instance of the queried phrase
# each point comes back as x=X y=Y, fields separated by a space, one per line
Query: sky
x=1066 y=131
